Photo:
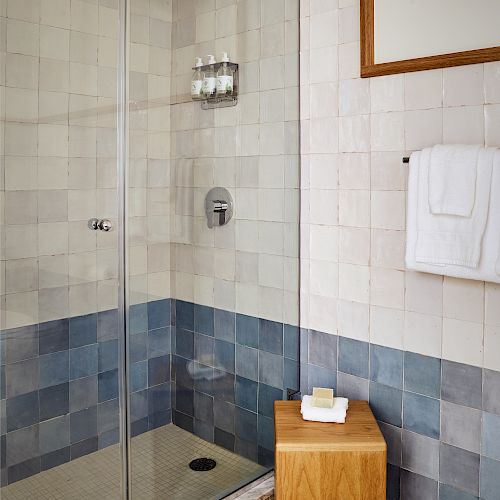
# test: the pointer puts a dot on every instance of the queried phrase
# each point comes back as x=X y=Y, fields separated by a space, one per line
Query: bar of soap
x=322 y=392
x=322 y=402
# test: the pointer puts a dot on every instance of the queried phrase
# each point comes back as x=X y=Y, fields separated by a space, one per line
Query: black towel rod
x=406 y=159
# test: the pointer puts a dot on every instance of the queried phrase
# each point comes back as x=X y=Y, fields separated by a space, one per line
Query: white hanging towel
x=452 y=179
x=449 y=239
x=490 y=248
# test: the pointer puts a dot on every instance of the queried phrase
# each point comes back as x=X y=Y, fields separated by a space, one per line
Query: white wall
x=354 y=135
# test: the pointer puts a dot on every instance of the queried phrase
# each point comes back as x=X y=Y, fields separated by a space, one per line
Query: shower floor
x=160 y=470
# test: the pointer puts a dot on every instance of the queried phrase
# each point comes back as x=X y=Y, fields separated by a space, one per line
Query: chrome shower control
x=218 y=207
x=105 y=225
x=101 y=224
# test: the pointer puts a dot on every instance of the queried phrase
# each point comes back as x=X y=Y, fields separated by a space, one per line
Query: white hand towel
x=452 y=179
x=448 y=239
x=490 y=249
x=336 y=414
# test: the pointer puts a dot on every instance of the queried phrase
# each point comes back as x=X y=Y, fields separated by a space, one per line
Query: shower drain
x=199 y=464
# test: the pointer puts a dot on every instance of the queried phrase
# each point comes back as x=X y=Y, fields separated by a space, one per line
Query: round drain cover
x=199 y=464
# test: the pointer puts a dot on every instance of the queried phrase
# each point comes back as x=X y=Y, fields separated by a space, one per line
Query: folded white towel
x=452 y=179
x=336 y=414
x=448 y=239
x=490 y=248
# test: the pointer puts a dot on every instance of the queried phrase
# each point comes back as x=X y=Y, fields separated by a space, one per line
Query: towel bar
x=406 y=159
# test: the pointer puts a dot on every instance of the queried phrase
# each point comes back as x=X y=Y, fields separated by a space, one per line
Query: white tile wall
x=354 y=134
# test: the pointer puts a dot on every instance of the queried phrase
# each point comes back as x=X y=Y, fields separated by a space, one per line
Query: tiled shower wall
x=423 y=348
x=58 y=157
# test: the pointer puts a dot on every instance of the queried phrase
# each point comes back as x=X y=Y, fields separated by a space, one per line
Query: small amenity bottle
x=197 y=81
x=210 y=79
x=224 y=78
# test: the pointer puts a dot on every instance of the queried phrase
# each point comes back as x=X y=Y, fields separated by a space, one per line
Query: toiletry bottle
x=197 y=81
x=210 y=80
x=224 y=78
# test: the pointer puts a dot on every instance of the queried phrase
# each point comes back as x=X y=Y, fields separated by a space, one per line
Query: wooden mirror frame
x=369 y=68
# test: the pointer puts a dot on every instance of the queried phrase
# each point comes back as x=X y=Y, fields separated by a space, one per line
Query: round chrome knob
x=93 y=224
x=105 y=225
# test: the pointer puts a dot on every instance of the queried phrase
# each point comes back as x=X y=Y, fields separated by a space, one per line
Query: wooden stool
x=325 y=461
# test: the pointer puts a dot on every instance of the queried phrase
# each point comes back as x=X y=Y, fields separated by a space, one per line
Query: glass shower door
x=60 y=324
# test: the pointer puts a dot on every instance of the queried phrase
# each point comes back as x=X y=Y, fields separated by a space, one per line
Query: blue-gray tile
x=184 y=315
x=224 y=415
x=393 y=480
x=184 y=343
x=107 y=325
x=108 y=416
x=82 y=330
x=459 y=468
x=204 y=407
x=108 y=355
x=349 y=386
x=247 y=330
x=291 y=342
x=85 y=447
x=224 y=325
x=22 y=445
x=491 y=435
x=22 y=470
x=417 y=487
x=138 y=318
x=204 y=349
x=54 y=368
x=247 y=449
x=291 y=374
x=54 y=401
x=203 y=430
x=245 y=424
x=224 y=439
x=265 y=431
x=386 y=366
x=107 y=385
x=20 y=343
x=223 y=385
x=224 y=355
x=323 y=349
x=139 y=405
x=491 y=390
x=83 y=393
x=247 y=362
x=317 y=376
x=22 y=377
x=446 y=492
x=421 y=414
x=271 y=369
x=245 y=393
x=386 y=403
x=138 y=347
x=83 y=361
x=353 y=357
x=271 y=336
x=454 y=420
x=138 y=376
x=461 y=384
x=54 y=434
x=204 y=319
x=158 y=314
x=267 y=396
x=392 y=436
x=159 y=398
x=55 y=458
x=420 y=454
x=53 y=336
x=490 y=478
x=22 y=411
x=159 y=342
x=422 y=374
x=158 y=370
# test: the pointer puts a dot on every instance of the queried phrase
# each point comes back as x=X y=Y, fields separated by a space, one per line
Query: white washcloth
x=490 y=249
x=452 y=179
x=448 y=239
x=336 y=414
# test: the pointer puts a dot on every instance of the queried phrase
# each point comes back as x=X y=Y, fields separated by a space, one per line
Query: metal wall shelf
x=218 y=101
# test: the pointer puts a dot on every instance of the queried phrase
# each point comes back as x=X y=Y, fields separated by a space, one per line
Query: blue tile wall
x=440 y=419
x=59 y=393
x=227 y=370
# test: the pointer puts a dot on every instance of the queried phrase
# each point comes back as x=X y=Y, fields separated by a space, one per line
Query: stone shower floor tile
x=160 y=470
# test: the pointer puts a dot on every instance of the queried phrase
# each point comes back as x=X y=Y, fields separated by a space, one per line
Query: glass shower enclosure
x=139 y=332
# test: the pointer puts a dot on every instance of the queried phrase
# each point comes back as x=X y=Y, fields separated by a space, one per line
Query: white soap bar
x=322 y=392
x=322 y=402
